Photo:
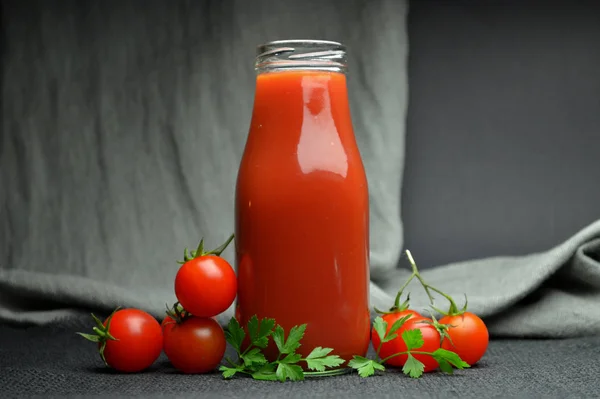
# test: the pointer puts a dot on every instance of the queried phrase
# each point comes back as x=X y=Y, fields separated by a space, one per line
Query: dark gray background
x=503 y=127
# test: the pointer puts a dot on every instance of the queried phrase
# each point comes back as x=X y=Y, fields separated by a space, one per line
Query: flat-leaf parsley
x=413 y=339
x=252 y=361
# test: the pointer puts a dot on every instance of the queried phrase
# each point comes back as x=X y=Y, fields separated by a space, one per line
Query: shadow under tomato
x=110 y=371
x=163 y=364
x=436 y=373
x=479 y=365
x=173 y=371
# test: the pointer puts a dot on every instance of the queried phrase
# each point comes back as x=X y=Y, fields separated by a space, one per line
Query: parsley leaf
x=413 y=367
x=260 y=331
x=291 y=358
x=234 y=334
x=380 y=326
x=445 y=366
x=391 y=334
x=293 y=340
x=318 y=359
x=279 y=337
x=295 y=336
x=413 y=339
x=446 y=356
x=229 y=372
x=365 y=367
x=292 y=372
x=319 y=351
x=253 y=358
x=265 y=373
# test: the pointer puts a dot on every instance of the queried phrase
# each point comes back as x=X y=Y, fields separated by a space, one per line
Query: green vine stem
x=453 y=310
x=406 y=353
x=379 y=350
x=398 y=307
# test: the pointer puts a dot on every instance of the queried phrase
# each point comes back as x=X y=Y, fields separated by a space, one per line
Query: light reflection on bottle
x=319 y=147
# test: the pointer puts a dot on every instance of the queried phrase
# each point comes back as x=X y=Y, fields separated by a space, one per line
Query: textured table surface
x=54 y=362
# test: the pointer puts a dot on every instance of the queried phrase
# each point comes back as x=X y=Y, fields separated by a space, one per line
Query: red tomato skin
x=431 y=342
x=166 y=320
x=169 y=320
x=391 y=319
x=139 y=341
x=206 y=286
x=195 y=346
x=391 y=347
x=469 y=334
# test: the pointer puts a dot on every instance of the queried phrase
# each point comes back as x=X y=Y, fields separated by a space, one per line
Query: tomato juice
x=302 y=213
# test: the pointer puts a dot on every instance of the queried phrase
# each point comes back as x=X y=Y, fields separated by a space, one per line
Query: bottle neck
x=308 y=76
x=304 y=55
x=314 y=92
x=304 y=116
x=301 y=110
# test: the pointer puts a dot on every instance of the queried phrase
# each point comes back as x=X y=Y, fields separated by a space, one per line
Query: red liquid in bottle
x=302 y=213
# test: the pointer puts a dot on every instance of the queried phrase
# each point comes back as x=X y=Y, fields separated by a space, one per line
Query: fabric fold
x=555 y=293
x=552 y=294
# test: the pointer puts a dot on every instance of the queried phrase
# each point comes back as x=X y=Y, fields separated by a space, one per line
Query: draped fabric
x=123 y=125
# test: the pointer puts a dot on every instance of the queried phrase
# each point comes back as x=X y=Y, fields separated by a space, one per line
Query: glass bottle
x=302 y=206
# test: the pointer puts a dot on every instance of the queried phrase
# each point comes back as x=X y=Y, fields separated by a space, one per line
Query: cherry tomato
x=469 y=336
x=391 y=318
x=206 y=286
x=390 y=347
x=138 y=343
x=431 y=342
x=196 y=345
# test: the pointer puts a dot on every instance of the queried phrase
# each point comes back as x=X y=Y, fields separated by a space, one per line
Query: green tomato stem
x=246 y=350
x=379 y=347
x=231 y=363
x=405 y=353
x=219 y=250
x=428 y=288
x=453 y=308
x=200 y=250
x=399 y=294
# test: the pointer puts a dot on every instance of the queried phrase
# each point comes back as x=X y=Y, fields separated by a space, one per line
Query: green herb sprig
x=251 y=360
x=413 y=339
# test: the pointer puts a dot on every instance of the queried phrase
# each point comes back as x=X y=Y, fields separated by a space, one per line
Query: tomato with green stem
x=129 y=340
x=174 y=315
x=206 y=284
x=462 y=332
x=194 y=345
x=388 y=351
x=466 y=335
x=397 y=312
x=389 y=347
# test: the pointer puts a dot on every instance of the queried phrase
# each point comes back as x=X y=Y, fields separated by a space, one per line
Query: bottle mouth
x=280 y=55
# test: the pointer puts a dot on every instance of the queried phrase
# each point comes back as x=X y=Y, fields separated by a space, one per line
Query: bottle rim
x=298 y=54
